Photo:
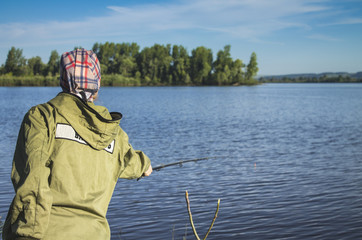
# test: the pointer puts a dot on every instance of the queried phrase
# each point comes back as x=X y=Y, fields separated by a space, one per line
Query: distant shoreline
x=108 y=80
x=328 y=77
x=117 y=80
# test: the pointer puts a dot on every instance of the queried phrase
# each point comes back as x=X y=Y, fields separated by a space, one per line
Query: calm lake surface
x=289 y=160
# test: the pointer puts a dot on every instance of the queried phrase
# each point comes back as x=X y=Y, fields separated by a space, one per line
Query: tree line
x=125 y=64
x=315 y=79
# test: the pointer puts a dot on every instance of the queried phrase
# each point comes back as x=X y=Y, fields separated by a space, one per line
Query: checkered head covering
x=80 y=73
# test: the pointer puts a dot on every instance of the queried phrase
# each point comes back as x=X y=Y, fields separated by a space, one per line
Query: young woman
x=68 y=157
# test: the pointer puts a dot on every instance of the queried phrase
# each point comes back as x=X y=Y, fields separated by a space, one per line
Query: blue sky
x=288 y=36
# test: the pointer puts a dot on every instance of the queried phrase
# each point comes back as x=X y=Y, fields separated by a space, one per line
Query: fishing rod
x=158 y=168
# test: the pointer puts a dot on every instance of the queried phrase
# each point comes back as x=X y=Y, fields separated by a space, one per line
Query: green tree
x=201 y=65
x=2 y=69
x=36 y=66
x=237 y=73
x=95 y=48
x=222 y=67
x=154 y=65
x=15 y=63
x=53 y=64
x=117 y=58
x=125 y=59
x=180 y=66
x=125 y=64
x=105 y=53
x=251 y=69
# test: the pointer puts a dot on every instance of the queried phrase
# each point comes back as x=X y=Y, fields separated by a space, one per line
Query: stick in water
x=192 y=222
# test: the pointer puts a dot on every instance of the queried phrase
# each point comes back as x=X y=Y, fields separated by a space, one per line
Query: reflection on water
x=292 y=165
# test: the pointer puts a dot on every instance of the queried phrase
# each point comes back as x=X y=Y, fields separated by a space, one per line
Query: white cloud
x=246 y=19
x=323 y=37
x=346 y=21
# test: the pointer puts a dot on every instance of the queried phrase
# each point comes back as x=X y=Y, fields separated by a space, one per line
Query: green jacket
x=68 y=158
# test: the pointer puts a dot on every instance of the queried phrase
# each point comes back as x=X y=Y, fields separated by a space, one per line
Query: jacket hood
x=94 y=124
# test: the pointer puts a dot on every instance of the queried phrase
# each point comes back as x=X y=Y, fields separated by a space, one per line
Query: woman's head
x=80 y=73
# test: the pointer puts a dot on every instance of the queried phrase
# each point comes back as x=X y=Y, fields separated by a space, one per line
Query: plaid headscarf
x=80 y=73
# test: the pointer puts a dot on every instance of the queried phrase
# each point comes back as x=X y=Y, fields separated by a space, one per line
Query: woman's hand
x=148 y=172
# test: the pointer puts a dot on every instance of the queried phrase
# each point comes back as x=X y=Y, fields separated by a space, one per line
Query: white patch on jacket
x=65 y=131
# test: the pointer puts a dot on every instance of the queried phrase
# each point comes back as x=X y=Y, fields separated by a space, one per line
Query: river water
x=288 y=159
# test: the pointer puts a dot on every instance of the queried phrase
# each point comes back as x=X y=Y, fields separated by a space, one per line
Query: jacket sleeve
x=30 y=211
x=133 y=162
